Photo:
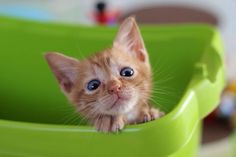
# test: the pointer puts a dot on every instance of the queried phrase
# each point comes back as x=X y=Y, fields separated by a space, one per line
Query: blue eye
x=127 y=72
x=93 y=84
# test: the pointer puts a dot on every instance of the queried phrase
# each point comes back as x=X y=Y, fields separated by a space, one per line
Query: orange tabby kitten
x=111 y=88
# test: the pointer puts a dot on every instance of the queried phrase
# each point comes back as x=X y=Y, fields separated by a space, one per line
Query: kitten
x=111 y=88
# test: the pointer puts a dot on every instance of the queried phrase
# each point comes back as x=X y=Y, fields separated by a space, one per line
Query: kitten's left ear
x=129 y=38
x=65 y=70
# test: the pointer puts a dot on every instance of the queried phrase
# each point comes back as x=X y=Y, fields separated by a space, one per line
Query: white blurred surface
x=222 y=148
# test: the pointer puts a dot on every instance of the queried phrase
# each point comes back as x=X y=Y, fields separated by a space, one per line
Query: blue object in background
x=26 y=12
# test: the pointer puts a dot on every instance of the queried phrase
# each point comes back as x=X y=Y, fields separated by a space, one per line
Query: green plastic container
x=188 y=67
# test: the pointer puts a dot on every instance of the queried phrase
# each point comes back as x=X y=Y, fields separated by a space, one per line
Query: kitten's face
x=111 y=82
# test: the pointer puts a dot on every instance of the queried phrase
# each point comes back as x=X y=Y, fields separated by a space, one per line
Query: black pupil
x=94 y=84
x=127 y=72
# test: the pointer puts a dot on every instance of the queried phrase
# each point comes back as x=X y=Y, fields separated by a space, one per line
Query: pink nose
x=114 y=89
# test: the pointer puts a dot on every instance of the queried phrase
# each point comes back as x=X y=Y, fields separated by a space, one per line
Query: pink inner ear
x=138 y=48
x=140 y=56
x=64 y=76
x=66 y=85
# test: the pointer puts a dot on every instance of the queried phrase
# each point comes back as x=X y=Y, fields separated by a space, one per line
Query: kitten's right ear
x=64 y=68
x=130 y=38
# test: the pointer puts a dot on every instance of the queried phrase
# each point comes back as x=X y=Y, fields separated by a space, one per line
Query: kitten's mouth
x=118 y=101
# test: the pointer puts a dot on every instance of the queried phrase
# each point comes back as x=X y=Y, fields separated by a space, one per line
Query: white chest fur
x=132 y=115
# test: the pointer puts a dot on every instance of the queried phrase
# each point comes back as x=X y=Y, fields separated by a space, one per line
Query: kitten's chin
x=122 y=105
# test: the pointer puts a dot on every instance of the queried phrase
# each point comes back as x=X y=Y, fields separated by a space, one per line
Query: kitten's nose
x=114 y=87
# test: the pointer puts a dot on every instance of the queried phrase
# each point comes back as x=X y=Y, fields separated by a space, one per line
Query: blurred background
x=218 y=135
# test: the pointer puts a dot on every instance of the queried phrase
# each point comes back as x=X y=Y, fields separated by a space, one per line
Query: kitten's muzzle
x=114 y=90
x=114 y=87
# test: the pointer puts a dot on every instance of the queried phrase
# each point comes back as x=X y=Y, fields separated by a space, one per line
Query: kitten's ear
x=64 y=68
x=130 y=39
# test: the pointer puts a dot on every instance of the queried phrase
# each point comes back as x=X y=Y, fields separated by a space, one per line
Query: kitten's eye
x=127 y=72
x=93 y=84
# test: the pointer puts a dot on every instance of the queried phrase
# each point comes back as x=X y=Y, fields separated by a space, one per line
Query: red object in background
x=108 y=18
x=101 y=18
x=211 y=117
x=104 y=17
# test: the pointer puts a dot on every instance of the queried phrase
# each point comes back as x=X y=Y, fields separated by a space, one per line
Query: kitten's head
x=111 y=82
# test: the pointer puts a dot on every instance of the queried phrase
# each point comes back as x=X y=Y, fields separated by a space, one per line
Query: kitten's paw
x=102 y=123
x=109 y=124
x=117 y=125
x=151 y=114
x=144 y=117
x=155 y=113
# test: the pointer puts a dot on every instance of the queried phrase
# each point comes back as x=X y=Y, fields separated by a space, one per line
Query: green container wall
x=36 y=119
